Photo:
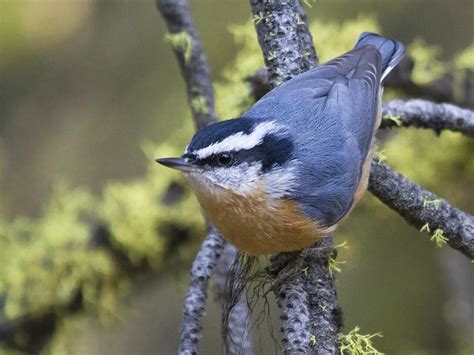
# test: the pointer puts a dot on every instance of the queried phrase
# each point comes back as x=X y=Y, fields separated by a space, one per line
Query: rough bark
x=283 y=34
x=194 y=68
x=427 y=114
x=409 y=200
x=195 y=300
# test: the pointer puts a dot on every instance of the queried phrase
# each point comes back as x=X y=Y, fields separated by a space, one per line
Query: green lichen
x=396 y=119
x=308 y=3
x=436 y=203
x=465 y=59
x=343 y=245
x=200 y=105
x=313 y=340
x=271 y=55
x=298 y=19
x=334 y=266
x=354 y=343
x=425 y=228
x=439 y=238
x=380 y=155
x=183 y=42
x=257 y=18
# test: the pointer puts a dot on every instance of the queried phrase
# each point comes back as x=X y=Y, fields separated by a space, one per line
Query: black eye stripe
x=274 y=150
x=216 y=159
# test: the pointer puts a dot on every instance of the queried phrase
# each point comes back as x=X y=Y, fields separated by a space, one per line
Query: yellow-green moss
x=200 y=105
x=183 y=42
x=427 y=64
x=354 y=343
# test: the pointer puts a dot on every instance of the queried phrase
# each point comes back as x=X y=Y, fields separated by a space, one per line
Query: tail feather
x=391 y=50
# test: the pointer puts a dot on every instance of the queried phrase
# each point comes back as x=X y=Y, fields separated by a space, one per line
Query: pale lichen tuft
x=183 y=42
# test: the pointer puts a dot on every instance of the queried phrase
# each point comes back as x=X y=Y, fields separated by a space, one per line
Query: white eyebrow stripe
x=239 y=141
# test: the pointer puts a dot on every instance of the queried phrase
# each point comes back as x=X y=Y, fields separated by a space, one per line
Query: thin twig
x=305 y=291
x=195 y=300
x=187 y=46
x=427 y=114
x=420 y=207
x=191 y=58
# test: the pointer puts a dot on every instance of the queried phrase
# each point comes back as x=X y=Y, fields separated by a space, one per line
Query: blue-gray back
x=331 y=112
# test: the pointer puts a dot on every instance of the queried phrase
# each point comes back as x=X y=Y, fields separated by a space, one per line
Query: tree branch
x=195 y=300
x=420 y=207
x=283 y=34
x=306 y=293
x=311 y=317
x=191 y=58
x=426 y=114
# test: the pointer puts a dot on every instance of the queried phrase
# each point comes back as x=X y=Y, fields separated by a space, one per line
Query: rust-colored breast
x=258 y=226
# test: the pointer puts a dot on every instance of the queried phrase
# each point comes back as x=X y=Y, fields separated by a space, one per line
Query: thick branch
x=420 y=207
x=310 y=316
x=191 y=58
x=283 y=34
x=305 y=291
x=426 y=114
x=195 y=300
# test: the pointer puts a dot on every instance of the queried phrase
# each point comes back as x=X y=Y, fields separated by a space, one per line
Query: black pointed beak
x=177 y=163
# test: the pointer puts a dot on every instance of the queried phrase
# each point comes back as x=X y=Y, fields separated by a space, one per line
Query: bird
x=293 y=166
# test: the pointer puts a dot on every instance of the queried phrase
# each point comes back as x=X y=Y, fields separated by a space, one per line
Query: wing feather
x=331 y=112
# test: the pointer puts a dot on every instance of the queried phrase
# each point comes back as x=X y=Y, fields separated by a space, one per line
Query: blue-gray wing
x=331 y=112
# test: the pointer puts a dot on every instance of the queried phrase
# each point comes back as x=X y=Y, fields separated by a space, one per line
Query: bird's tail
x=391 y=50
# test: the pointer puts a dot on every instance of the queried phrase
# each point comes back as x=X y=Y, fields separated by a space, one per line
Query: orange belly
x=258 y=226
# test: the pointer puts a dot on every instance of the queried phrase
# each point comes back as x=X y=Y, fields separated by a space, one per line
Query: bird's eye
x=224 y=159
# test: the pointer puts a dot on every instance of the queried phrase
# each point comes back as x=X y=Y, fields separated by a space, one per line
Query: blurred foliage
x=427 y=63
x=45 y=262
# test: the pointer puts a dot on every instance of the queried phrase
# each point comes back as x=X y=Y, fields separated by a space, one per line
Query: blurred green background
x=90 y=92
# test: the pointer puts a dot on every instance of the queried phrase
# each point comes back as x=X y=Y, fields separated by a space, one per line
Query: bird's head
x=239 y=155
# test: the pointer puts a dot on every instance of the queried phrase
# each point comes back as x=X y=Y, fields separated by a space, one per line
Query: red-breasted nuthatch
x=293 y=166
